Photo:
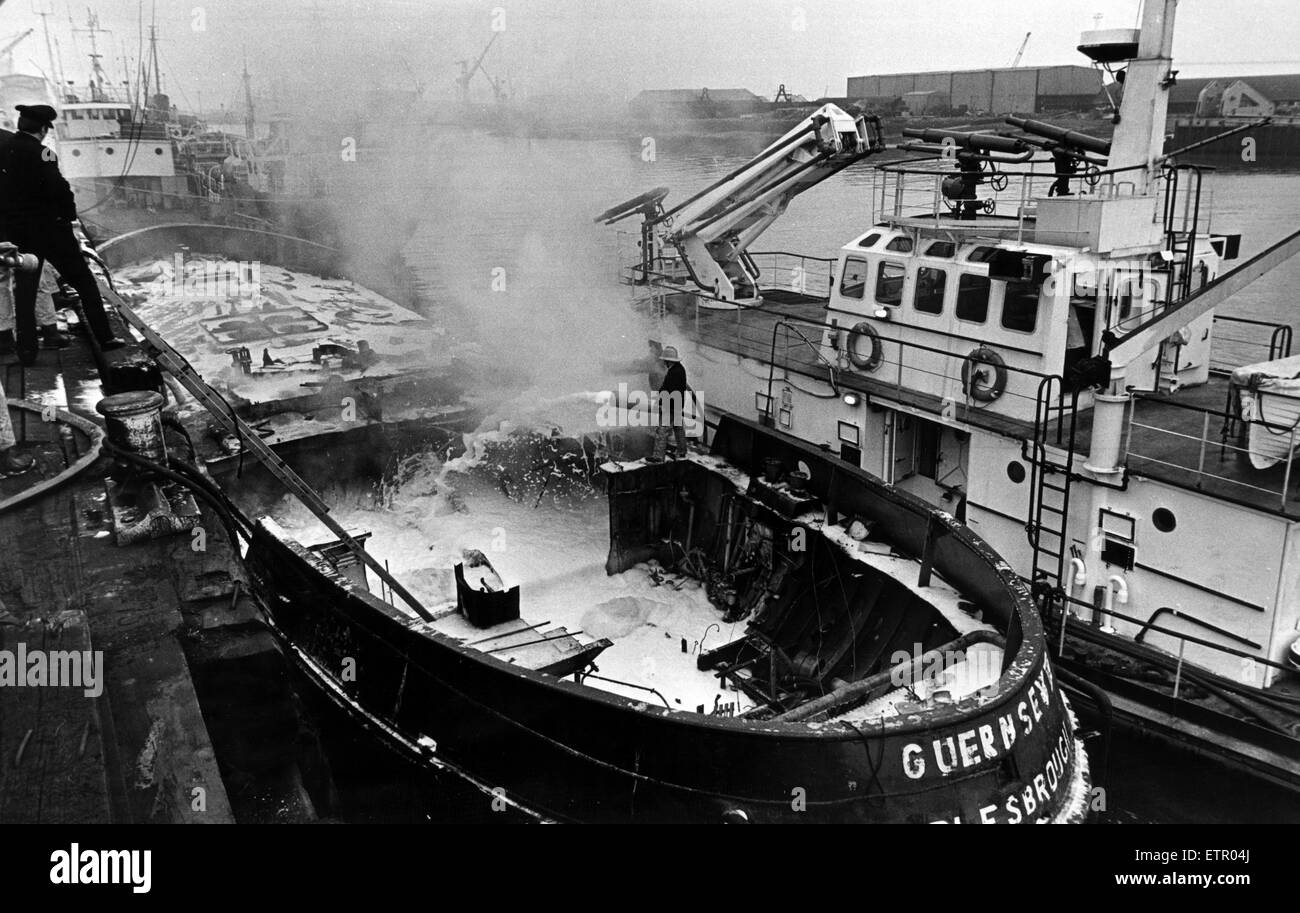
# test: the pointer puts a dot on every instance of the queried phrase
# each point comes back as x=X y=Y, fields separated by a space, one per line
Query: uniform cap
x=43 y=113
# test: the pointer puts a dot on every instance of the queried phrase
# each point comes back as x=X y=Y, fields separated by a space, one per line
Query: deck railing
x=912 y=190
x=1253 y=667
x=938 y=379
x=798 y=273
x=1201 y=446
x=1241 y=341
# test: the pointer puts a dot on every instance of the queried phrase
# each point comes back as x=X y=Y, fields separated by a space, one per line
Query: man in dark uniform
x=37 y=209
x=671 y=407
x=1066 y=165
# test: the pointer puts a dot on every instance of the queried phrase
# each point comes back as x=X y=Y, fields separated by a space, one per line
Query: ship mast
x=56 y=71
x=153 y=53
x=249 y=120
x=1140 y=135
x=98 y=78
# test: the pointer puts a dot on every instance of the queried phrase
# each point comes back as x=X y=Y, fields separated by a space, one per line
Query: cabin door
x=926 y=458
x=916 y=447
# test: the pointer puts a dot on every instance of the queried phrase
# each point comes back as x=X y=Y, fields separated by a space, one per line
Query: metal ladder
x=175 y=364
x=1049 y=485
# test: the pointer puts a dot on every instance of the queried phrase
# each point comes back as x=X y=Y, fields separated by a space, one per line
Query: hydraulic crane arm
x=713 y=229
x=1122 y=349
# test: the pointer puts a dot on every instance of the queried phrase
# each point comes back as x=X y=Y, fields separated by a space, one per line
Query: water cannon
x=1049 y=135
x=982 y=143
x=648 y=204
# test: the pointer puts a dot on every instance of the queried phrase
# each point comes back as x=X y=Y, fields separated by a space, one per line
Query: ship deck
x=134 y=752
x=657 y=620
x=194 y=692
x=1186 y=439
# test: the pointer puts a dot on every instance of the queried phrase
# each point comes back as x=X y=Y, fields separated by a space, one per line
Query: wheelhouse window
x=982 y=254
x=902 y=244
x=853 y=283
x=1020 y=307
x=941 y=249
x=889 y=284
x=930 y=283
x=973 y=298
x=870 y=239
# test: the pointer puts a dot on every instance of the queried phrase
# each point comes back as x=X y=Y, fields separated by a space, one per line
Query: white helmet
x=669 y=353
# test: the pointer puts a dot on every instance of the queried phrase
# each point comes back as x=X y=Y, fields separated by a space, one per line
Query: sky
x=609 y=48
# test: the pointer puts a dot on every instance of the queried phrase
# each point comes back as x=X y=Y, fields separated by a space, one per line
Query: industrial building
x=1027 y=90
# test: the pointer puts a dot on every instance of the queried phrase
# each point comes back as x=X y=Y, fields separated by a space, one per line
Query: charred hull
x=561 y=750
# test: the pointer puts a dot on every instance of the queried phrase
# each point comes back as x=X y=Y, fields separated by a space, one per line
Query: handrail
x=1214 y=413
x=790 y=253
x=831 y=311
x=892 y=168
x=1190 y=638
x=1194 y=620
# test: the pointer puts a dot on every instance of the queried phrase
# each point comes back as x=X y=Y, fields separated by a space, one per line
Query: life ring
x=871 y=360
x=974 y=381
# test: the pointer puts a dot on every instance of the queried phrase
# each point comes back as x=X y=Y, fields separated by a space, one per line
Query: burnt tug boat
x=841 y=577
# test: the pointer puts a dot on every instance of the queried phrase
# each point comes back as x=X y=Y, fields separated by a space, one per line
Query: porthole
x=76 y=152
x=1016 y=471
x=157 y=150
x=1164 y=520
x=108 y=150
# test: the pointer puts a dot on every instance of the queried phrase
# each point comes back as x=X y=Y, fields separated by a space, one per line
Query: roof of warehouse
x=1059 y=66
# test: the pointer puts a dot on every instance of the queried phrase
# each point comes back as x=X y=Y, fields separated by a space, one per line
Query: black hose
x=226 y=512
x=171 y=421
x=1229 y=692
x=195 y=475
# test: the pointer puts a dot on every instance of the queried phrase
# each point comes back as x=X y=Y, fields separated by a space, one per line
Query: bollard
x=134 y=423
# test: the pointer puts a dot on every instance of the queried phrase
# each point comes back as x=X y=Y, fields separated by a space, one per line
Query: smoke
x=499 y=232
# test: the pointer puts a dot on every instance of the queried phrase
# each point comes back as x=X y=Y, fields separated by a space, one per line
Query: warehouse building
x=1025 y=90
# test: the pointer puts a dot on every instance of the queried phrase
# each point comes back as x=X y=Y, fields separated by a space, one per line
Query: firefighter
x=37 y=209
x=671 y=406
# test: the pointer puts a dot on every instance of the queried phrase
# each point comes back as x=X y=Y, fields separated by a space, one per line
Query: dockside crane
x=712 y=231
x=8 y=46
x=1021 y=53
x=467 y=75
